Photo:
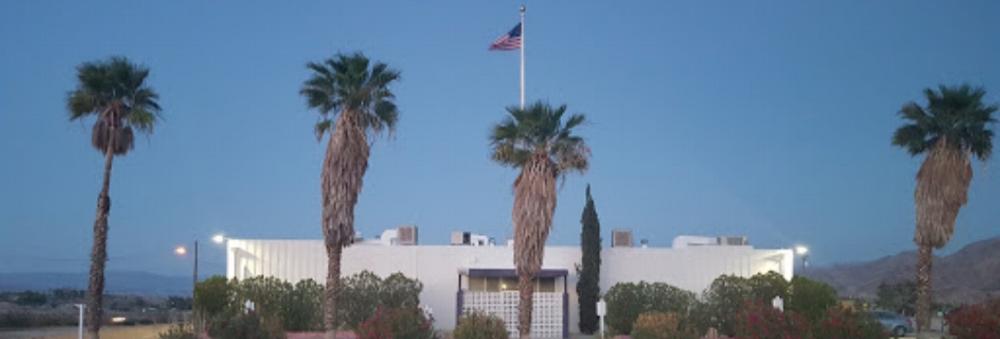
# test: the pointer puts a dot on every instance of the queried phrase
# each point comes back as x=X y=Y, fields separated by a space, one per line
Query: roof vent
x=407 y=235
x=621 y=238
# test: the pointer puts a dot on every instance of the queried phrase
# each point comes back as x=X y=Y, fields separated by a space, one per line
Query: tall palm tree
x=114 y=91
x=353 y=101
x=954 y=125
x=538 y=141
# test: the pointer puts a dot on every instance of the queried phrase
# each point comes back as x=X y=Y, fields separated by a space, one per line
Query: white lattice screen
x=547 y=310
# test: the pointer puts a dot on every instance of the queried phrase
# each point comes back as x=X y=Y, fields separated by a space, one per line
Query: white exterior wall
x=438 y=267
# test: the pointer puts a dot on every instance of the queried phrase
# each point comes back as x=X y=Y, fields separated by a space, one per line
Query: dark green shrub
x=626 y=301
x=723 y=300
x=842 y=322
x=396 y=323
x=26 y=318
x=810 y=298
x=15 y=320
x=480 y=326
x=299 y=307
x=726 y=296
x=267 y=294
x=359 y=298
x=178 y=331
x=898 y=297
x=179 y=303
x=622 y=302
x=247 y=326
x=398 y=291
x=212 y=297
x=302 y=308
x=362 y=293
x=764 y=287
x=31 y=298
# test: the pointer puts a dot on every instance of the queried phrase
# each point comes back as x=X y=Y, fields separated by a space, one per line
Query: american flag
x=509 y=41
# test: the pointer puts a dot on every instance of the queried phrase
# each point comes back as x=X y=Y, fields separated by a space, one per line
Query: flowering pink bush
x=762 y=321
x=981 y=321
x=400 y=323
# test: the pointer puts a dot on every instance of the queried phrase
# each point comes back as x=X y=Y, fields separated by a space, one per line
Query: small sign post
x=602 y=309
x=778 y=303
x=80 y=323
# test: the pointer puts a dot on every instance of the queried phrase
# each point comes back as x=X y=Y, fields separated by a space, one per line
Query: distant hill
x=970 y=275
x=120 y=282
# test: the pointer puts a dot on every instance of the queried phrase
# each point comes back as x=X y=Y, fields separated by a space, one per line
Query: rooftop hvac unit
x=733 y=241
x=459 y=238
x=470 y=239
x=621 y=238
x=407 y=236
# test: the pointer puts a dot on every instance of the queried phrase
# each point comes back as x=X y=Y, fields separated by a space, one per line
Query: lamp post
x=803 y=252
x=182 y=251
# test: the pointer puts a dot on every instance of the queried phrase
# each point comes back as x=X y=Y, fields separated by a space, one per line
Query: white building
x=460 y=278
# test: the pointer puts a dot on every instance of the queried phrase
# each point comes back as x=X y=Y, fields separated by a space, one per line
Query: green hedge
x=626 y=301
x=299 y=307
x=720 y=304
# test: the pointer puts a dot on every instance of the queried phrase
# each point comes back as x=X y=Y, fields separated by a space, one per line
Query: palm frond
x=115 y=91
x=540 y=128
x=345 y=83
x=956 y=114
x=322 y=127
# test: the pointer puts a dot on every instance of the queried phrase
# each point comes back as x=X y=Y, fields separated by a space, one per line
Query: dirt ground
x=111 y=332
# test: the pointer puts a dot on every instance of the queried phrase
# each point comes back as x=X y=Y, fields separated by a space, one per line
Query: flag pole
x=522 y=56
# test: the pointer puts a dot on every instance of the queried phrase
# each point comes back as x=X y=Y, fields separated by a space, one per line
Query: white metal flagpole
x=522 y=56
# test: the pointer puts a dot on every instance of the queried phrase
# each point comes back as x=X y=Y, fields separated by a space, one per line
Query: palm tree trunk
x=534 y=204
x=924 y=260
x=334 y=253
x=343 y=172
x=526 y=288
x=99 y=252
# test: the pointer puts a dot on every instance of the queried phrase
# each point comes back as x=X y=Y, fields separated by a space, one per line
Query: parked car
x=897 y=324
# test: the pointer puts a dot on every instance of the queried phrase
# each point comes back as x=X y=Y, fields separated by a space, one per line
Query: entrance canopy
x=511 y=273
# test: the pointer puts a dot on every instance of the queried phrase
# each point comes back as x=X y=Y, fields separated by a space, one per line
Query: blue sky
x=769 y=119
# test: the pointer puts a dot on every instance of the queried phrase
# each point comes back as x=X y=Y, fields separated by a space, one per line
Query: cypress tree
x=589 y=271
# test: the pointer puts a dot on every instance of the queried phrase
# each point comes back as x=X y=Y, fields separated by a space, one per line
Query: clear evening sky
x=770 y=119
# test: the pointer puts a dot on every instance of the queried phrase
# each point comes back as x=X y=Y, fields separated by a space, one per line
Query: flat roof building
x=457 y=279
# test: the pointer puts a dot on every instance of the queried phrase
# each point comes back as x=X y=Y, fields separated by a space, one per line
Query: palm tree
x=954 y=125
x=353 y=101
x=538 y=141
x=114 y=91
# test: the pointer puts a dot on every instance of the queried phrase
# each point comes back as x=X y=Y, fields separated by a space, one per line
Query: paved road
x=112 y=332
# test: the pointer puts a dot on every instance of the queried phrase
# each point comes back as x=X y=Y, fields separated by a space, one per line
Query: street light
x=803 y=252
x=182 y=251
x=219 y=238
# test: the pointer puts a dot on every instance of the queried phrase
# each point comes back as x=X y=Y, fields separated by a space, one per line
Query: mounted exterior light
x=219 y=238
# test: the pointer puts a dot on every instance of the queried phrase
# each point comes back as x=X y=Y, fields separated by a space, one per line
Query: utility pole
x=195 y=283
x=194 y=287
